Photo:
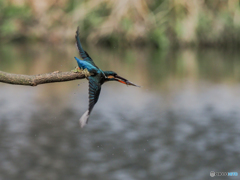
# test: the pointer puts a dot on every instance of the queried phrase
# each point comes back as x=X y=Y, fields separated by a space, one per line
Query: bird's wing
x=94 y=91
x=83 y=53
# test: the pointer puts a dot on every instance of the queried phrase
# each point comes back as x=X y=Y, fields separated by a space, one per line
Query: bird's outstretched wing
x=94 y=91
x=83 y=53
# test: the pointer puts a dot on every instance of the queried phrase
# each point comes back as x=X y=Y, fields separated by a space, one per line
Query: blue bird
x=96 y=79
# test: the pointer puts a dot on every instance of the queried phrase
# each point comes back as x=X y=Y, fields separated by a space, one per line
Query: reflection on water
x=182 y=124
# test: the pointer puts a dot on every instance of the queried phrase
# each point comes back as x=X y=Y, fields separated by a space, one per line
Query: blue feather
x=85 y=65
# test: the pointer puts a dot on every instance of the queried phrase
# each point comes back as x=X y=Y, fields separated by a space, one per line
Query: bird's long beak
x=124 y=81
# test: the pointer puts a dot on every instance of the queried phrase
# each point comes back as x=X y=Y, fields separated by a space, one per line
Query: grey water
x=181 y=124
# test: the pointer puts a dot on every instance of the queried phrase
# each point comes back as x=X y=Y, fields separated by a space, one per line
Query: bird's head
x=112 y=76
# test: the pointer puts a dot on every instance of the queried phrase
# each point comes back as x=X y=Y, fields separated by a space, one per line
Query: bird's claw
x=86 y=73
x=83 y=71
x=76 y=70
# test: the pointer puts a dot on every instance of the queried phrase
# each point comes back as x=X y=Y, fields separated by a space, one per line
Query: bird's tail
x=84 y=119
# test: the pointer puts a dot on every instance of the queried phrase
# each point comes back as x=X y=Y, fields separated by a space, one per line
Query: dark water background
x=183 y=123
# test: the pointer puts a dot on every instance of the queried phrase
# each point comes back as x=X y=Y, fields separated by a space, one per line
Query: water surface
x=182 y=124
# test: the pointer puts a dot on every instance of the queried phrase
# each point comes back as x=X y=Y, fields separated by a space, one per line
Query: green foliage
x=158 y=38
x=160 y=23
x=126 y=24
x=11 y=19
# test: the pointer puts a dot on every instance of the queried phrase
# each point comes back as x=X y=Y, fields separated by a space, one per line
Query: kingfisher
x=96 y=78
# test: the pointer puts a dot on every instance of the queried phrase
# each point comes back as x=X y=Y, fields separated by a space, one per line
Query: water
x=182 y=124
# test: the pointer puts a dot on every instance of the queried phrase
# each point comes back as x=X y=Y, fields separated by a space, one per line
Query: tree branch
x=34 y=80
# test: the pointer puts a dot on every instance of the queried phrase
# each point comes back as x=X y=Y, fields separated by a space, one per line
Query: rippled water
x=183 y=123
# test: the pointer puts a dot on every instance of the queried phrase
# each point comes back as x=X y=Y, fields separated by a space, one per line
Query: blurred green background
x=161 y=23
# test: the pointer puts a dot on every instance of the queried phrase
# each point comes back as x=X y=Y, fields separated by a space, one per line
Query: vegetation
x=122 y=22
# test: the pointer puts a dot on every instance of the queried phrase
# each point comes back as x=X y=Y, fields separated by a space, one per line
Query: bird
x=96 y=78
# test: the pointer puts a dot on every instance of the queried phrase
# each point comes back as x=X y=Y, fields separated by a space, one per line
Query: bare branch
x=34 y=80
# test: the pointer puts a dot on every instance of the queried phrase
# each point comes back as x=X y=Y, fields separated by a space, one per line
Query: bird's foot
x=83 y=71
x=76 y=70
x=86 y=73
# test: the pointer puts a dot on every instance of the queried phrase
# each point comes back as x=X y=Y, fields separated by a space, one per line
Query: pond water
x=181 y=124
